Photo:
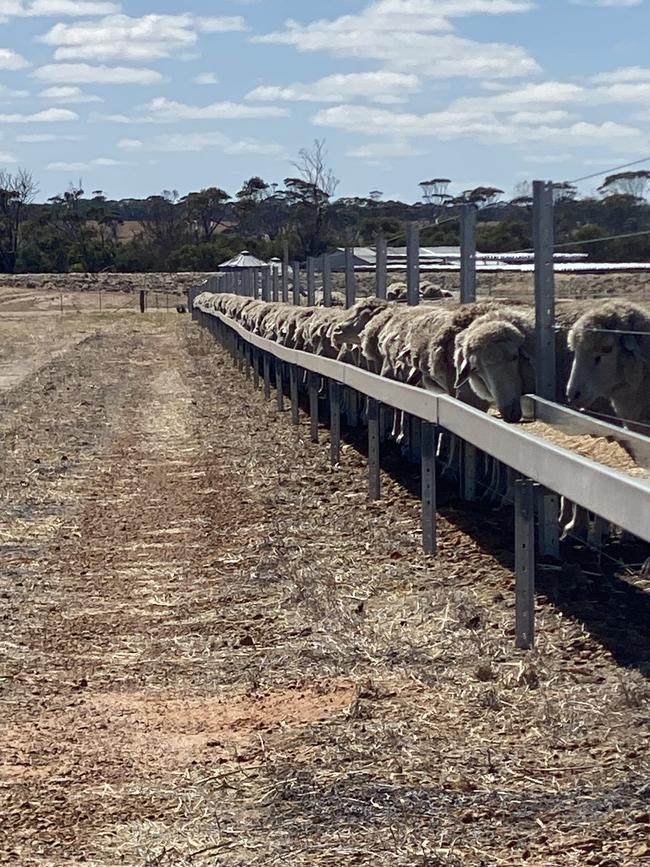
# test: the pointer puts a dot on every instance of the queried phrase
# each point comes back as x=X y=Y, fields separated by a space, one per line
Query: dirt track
x=215 y=651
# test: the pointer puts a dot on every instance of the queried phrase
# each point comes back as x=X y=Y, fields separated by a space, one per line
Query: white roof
x=244 y=260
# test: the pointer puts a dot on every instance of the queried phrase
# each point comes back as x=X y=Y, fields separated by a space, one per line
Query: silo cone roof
x=244 y=260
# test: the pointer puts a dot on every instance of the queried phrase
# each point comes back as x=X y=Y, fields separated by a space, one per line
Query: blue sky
x=141 y=95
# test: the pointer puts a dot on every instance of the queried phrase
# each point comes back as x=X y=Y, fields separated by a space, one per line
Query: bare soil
x=214 y=650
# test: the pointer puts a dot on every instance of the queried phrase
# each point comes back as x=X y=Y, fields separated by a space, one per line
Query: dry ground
x=214 y=651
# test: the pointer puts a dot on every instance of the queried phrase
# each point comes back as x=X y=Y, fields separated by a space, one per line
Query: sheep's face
x=603 y=365
x=349 y=329
x=497 y=372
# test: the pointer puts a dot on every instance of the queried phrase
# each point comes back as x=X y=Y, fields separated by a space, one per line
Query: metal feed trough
x=618 y=498
x=543 y=470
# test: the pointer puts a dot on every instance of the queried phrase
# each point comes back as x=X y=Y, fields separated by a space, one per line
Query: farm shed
x=366 y=258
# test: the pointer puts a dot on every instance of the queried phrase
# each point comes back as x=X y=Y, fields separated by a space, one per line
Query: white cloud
x=197 y=142
x=50 y=115
x=68 y=95
x=6 y=158
x=83 y=73
x=10 y=60
x=7 y=93
x=531 y=118
x=413 y=36
x=120 y=37
x=377 y=150
x=45 y=137
x=545 y=94
x=480 y=126
x=99 y=162
x=222 y=24
x=206 y=78
x=167 y=110
x=632 y=92
x=623 y=75
x=381 y=86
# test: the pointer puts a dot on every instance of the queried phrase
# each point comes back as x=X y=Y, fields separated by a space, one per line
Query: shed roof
x=243 y=260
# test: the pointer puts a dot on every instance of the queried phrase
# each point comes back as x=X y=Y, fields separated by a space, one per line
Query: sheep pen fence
x=541 y=470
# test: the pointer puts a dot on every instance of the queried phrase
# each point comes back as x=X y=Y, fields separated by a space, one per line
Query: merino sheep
x=611 y=347
x=396 y=290
x=495 y=355
x=440 y=363
x=350 y=326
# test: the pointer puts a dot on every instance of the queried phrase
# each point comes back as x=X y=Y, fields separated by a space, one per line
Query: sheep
x=611 y=360
x=396 y=291
x=440 y=362
x=337 y=299
x=350 y=326
x=431 y=292
x=414 y=354
x=369 y=339
x=494 y=354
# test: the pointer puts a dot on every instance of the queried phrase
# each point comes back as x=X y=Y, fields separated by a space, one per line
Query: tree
x=564 y=192
x=482 y=197
x=434 y=192
x=633 y=184
x=70 y=221
x=522 y=190
x=205 y=211
x=17 y=191
x=309 y=195
x=255 y=189
x=313 y=169
x=162 y=223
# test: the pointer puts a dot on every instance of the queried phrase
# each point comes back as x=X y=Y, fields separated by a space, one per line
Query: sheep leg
x=450 y=468
x=578 y=526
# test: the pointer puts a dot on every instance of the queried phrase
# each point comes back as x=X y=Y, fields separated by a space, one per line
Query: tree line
x=79 y=232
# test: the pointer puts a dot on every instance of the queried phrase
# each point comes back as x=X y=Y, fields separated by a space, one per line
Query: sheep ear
x=630 y=343
x=463 y=374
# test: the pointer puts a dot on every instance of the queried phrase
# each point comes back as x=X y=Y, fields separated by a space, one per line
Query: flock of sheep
x=482 y=353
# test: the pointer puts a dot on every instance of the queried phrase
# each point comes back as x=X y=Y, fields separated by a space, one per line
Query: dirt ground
x=214 y=650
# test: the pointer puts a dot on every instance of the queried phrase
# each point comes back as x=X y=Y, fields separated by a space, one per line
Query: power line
x=609 y=171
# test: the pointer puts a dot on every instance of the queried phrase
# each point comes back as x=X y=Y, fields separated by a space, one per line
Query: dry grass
x=216 y=651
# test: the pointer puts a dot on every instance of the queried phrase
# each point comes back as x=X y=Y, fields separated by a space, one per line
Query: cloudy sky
x=140 y=95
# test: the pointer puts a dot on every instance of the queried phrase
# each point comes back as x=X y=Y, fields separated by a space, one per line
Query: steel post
x=413 y=264
x=381 y=261
x=335 y=422
x=543 y=238
x=311 y=281
x=266 y=366
x=548 y=522
x=468 y=216
x=293 y=390
x=525 y=563
x=429 y=535
x=374 y=477
x=296 y=283
x=468 y=472
x=285 y=272
x=279 y=385
x=313 y=383
x=327 y=281
x=350 y=281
